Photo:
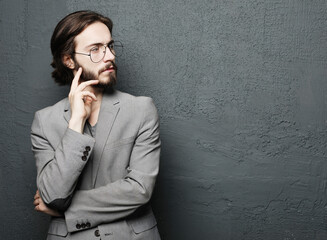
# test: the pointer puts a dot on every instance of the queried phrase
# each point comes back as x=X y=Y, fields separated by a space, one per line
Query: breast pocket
x=120 y=143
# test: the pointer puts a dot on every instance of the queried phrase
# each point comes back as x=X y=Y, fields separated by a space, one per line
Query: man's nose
x=108 y=56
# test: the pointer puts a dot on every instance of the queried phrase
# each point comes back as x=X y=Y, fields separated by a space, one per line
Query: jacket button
x=96 y=233
x=83 y=225
x=78 y=226
x=86 y=153
x=87 y=148
x=88 y=225
x=84 y=158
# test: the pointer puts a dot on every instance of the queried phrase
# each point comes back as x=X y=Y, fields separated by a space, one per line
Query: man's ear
x=68 y=61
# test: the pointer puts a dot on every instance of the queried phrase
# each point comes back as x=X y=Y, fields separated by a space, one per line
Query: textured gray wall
x=241 y=90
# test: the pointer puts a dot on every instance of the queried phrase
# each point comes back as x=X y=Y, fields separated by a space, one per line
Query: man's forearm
x=114 y=201
x=58 y=170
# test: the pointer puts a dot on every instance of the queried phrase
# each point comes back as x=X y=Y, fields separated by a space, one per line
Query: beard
x=89 y=75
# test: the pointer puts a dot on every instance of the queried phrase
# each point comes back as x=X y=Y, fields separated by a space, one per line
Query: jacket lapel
x=108 y=112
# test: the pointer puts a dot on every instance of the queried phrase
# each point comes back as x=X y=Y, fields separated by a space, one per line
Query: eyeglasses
x=98 y=52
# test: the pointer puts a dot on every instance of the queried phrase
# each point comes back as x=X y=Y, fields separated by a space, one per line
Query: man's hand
x=41 y=207
x=80 y=102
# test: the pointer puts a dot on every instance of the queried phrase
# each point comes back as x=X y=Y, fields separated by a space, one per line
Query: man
x=97 y=151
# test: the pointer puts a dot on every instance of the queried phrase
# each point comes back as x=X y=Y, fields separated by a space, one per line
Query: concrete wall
x=241 y=90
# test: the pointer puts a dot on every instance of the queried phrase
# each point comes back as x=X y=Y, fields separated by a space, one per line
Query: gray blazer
x=108 y=196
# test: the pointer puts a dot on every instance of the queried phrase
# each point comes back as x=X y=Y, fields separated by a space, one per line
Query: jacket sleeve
x=58 y=167
x=121 y=198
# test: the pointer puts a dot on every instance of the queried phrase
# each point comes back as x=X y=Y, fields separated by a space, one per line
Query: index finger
x=76 y=78
x=87 y=83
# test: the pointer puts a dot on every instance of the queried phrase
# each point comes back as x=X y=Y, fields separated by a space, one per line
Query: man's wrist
x=77 y=124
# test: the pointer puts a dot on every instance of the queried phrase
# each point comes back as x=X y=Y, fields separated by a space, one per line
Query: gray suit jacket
x=108 y=196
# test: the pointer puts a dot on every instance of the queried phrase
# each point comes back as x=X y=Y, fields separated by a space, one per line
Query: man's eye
x=95 y=49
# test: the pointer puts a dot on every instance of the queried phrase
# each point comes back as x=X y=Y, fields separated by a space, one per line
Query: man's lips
x=110 y=69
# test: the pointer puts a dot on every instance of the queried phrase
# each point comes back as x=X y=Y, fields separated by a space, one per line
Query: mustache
x=109 y=65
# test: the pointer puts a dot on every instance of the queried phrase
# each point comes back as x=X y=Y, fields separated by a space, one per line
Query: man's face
x=105 y=71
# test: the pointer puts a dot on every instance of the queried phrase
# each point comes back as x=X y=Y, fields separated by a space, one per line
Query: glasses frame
x=105 y=50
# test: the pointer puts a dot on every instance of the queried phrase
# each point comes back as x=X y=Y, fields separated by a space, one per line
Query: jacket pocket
x=143 y=223
x=58 y=228
x=120 y=142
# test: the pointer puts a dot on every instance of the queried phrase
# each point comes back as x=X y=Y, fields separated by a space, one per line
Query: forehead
x=97 y=32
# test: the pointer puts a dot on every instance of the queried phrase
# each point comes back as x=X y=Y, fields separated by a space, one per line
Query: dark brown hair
x=62 y=41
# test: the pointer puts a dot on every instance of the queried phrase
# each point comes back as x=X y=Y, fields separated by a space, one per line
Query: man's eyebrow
x=98 y=43
x=93 y=44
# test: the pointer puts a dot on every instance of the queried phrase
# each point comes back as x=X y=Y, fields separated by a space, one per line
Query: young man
x=97 y=151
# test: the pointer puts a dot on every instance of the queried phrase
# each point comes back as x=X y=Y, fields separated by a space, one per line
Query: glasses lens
x=97 y=53
x=116 y=48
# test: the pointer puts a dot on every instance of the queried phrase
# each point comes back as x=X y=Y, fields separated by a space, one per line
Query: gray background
x=240 y=86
